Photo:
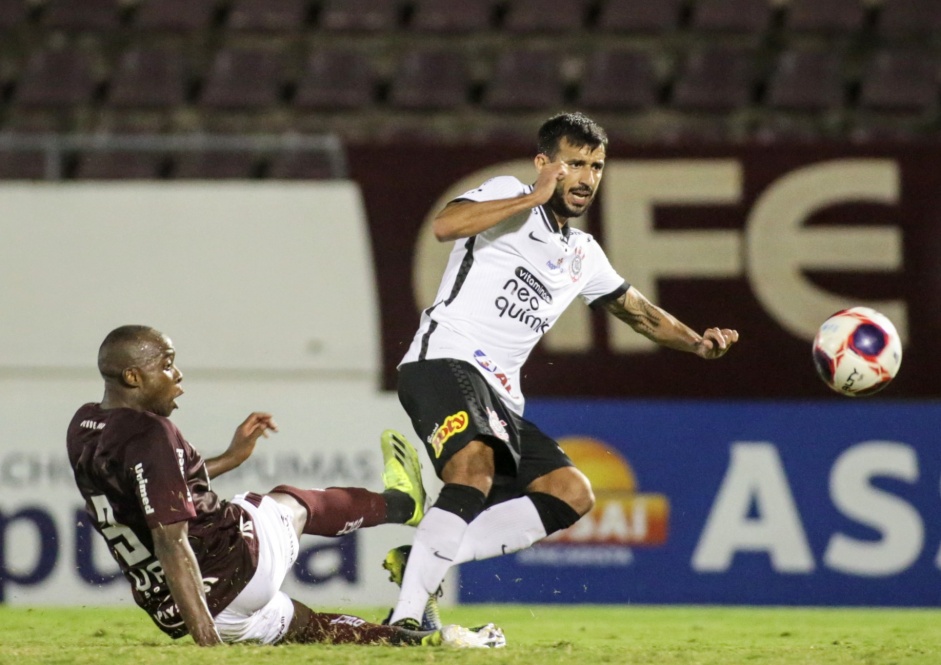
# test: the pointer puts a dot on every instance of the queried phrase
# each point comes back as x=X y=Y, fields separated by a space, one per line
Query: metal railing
x=56 y=147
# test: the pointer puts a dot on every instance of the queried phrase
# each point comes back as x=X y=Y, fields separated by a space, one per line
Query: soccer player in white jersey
x=516 y=265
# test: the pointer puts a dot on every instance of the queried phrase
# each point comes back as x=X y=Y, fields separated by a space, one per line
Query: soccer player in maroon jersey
x=208 y=567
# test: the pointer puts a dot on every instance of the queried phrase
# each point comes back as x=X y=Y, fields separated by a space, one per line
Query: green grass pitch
x=537 y=635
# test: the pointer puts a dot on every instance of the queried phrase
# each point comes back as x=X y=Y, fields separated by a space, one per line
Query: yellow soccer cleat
x=395 y=563
x=402 y=471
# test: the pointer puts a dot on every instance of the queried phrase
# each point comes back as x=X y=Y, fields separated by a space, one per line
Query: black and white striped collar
x=551 y=226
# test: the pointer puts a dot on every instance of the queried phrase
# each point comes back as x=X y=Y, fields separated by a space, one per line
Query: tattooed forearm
x=639 y=313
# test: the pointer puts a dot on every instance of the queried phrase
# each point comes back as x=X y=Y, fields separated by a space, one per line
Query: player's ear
x=541 y=160
x=130 y=377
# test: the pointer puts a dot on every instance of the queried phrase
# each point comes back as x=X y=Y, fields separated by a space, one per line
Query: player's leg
x=308 y=626
x=555 y=494
x=336 y=511
x=467 y=476
x=468 y=435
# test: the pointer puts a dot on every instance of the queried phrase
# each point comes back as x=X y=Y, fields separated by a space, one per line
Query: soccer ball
x=857 y=351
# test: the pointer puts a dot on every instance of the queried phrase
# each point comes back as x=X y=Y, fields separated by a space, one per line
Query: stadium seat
x=639 y=16
x=777 y=128
x=81 y=16
x=275 y=16
x=451 y=16
x=545 y=16
x=60 y=78
x=179 y=16
x=359 y=15
x=301 y=165
x=806 y=80
x=749 y=17
x=841 y=18
x=874 y=131
x=695 y=131
x=243 y=78
x=618 y=80
x=902 y=20
x=899 y=81
x=12 y=14
x=335 y=79
x=714 y=79
x=435 y=79
x=214 y=165
x=118 y=165
x=34 y=120
x=524 y=80
x=148 y=77
x=22 y=165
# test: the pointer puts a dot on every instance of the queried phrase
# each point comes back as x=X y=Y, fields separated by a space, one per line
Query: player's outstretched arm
x=246 y=435
x=183 y=577
x=657 y=324
x=463 y=219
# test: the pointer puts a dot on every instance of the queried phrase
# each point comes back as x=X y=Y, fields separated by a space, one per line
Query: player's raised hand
x=549 y=176
x=716 y=342
x=257 y=424
x=246 y=435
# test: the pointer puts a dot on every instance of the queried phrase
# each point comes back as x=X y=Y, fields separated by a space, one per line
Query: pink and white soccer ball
x=857 y=351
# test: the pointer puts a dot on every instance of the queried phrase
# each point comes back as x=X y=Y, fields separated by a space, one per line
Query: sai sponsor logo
x=452 y=425
x=623 y=517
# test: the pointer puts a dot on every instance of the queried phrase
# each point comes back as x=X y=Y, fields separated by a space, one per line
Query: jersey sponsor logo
x=497 y=426
x=246 y=527
x=142 y=488
x=530 y=280
x=168 y=616
x=453 y=424
x=350 y=527
x=556 y=265
x=532 y=236
x=522 y=303
x=575 y=267
x=181 y=461
x=487 y=364
x=91 y=424
x=484 y=361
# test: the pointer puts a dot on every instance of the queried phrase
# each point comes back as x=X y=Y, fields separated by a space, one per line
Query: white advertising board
x=268 y=293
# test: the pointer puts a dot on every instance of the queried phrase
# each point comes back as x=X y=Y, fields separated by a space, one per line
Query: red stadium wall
x=772 y=238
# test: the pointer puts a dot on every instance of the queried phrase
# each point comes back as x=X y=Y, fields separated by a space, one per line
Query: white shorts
x=262 y=612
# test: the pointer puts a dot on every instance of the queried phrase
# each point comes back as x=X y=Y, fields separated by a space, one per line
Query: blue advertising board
x=790 y=503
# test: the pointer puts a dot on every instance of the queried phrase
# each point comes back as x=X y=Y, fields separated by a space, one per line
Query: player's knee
x=462 y=500
x=581 y=497
x=569 y=485
x=555 y=513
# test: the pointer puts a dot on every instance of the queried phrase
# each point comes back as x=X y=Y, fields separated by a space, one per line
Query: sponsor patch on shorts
x=453 y=424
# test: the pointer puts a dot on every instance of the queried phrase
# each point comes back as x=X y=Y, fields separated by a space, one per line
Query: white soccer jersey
x=503 y=289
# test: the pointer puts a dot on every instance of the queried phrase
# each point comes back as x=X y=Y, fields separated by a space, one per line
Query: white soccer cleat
x=484 y=637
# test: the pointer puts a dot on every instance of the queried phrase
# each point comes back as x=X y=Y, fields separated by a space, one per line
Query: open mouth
x=580 y=196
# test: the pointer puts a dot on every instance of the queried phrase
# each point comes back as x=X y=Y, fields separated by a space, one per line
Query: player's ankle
x=399 y=506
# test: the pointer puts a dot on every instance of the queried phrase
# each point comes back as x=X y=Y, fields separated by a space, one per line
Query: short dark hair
x=121 y=347
x=579 y=129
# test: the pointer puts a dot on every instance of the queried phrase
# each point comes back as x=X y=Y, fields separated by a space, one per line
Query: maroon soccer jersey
x=136 y=471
